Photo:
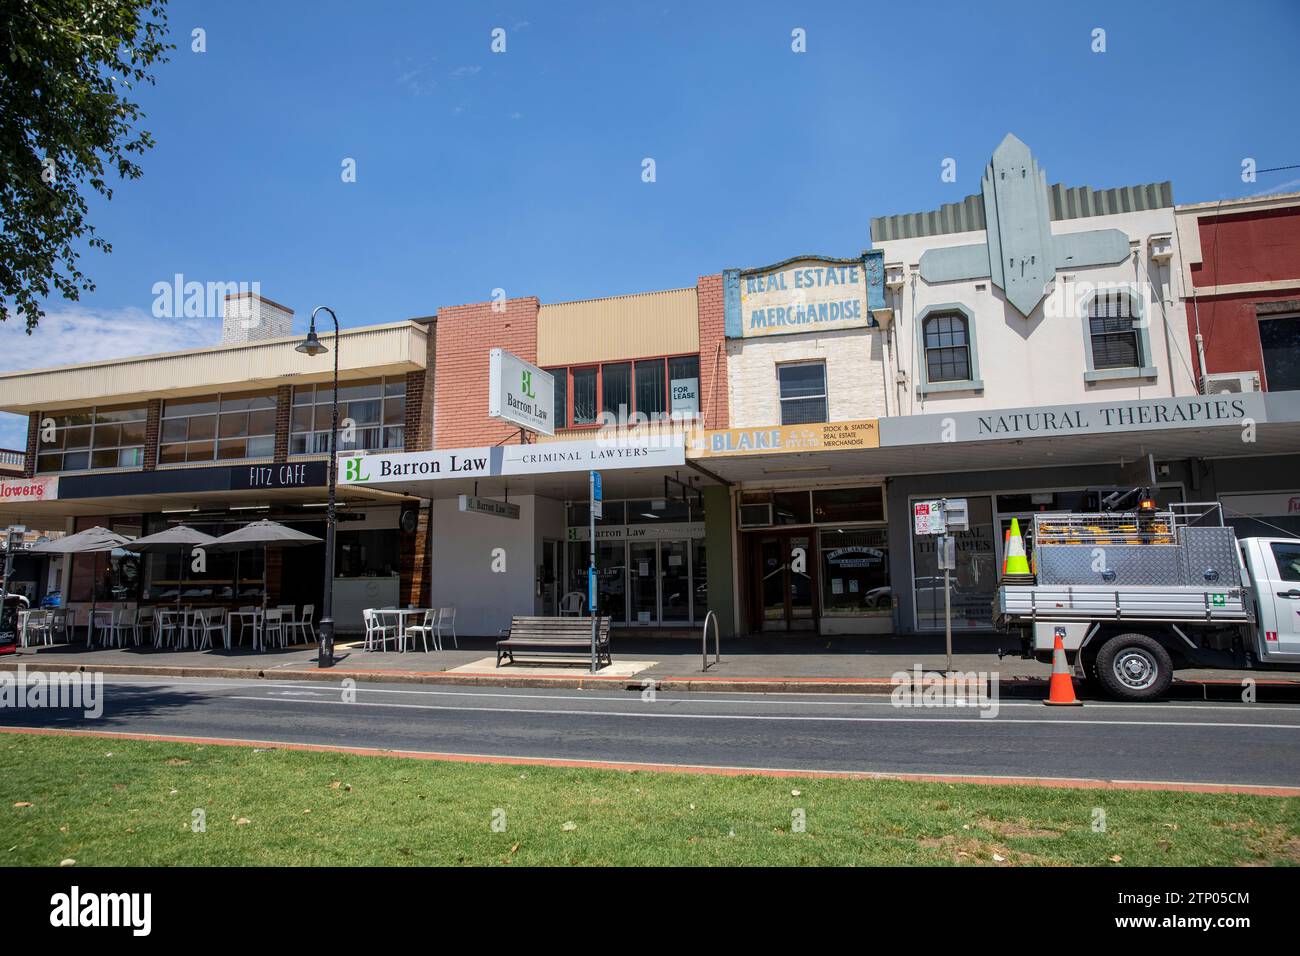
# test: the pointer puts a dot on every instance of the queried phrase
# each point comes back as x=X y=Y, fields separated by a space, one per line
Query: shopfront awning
x=1205 y=426
x=630 y=467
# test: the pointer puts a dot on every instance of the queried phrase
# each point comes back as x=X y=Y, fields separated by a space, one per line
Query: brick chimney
x=249 y=317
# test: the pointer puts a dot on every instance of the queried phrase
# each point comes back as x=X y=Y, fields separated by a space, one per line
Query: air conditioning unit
x=1227 y=383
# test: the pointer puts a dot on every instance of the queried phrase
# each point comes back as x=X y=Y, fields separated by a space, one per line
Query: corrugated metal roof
x=619 y=327
x=1065 y=202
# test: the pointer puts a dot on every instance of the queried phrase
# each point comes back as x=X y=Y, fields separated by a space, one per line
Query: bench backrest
x=527 y=626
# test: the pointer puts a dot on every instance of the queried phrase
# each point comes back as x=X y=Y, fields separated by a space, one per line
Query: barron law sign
x=520 y=392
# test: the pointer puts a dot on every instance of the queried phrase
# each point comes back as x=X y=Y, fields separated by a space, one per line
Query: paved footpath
x=811 y=664
x=1206 y=746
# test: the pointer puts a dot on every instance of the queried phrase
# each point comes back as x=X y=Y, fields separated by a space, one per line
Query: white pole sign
x=520 y=392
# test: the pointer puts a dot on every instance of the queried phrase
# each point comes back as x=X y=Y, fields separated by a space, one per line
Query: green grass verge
x=119 y=802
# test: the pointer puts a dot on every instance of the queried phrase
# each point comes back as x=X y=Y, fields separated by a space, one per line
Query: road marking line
x=768 y=717
x=685 y=696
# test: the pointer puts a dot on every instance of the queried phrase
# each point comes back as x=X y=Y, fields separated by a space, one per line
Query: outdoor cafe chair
x=273 y=627
x=247 y=609
x=305 y=624
x=205 y=623
x=424 y=630
x=376 y=630
x=168 y=625
x=572 y=604
x=34 y=625
x=100 y=627
x=446 y=619
x=63 y=619
x=287 y=612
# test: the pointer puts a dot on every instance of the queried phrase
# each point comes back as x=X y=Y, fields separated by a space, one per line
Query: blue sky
x=522 y=170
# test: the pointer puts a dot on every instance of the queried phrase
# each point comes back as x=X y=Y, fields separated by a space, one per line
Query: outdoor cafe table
x=402 y=614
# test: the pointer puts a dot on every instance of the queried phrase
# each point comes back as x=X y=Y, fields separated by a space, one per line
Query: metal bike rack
x=704 y=642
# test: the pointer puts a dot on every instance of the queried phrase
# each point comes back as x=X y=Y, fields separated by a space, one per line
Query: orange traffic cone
x=1061 y=689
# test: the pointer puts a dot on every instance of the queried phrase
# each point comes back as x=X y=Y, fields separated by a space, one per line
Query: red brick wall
x=465 y=334
x=152 y=429
x=283 y=418
x=1261 y=246
x=33 y=437
x=418 y=426
x=713 y=352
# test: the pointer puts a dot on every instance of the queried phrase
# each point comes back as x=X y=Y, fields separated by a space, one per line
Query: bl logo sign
x=527 y=386
x=352 y=470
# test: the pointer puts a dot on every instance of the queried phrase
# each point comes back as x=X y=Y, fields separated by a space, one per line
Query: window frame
x=923 y=384
x=825 y=393
x=219 y=398
x=60 y=449
x=1142 y=336
x=566 y=374
x=382 y=427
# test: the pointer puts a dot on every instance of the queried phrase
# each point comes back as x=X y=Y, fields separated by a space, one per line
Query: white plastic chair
x=573 y=604
x=446 y=619
x=35 y=625
x=287 y=612
x=169 y=625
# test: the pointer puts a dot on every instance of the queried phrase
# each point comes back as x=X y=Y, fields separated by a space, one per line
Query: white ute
x=1139 y=594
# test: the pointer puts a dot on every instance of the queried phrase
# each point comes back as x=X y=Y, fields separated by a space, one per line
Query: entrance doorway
x=549 y=577
x=783 y=581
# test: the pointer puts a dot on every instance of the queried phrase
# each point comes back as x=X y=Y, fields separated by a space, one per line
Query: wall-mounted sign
x=684 y=394
x=634 y=532
x=540 y=458
x=1273 y=505
x=804 y=294
x=489 y=506
x=28 y=489
x=1146 y=414
x=275 y=476
x=520 y=392
x=822 y=436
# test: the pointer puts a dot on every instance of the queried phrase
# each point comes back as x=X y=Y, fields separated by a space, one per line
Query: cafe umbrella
x=267 y=534
x=94 y=541
x=183 y=539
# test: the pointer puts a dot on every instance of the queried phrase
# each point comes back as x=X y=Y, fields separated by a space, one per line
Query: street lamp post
x=313 y=346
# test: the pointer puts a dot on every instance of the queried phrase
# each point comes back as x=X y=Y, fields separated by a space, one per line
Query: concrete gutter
x=1015 y=687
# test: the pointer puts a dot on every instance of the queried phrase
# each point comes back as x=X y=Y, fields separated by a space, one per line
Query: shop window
x=110 y=437
x=653 y=510
x=855 y=573
x=947 y=348
x=612 y=513
x=218 y=427
x=791 y=507
x=376 y=407
x=108 y=575
x=974 y=582
x=803 y=392
x=839 y=505
x=1280 y=341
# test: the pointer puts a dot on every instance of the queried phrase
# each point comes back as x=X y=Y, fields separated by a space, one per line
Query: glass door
x=643 y=573
x=611 y=575
x=786 y=585
x=675 y=578
x=548 y=577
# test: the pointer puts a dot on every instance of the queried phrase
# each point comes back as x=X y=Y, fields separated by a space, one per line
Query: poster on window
x=685 y=398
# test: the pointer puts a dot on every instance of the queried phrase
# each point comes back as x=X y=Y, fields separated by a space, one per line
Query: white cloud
x=73 y=334
x=463 y=71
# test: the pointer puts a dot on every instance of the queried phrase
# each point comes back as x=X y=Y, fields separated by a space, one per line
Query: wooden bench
x=553 y=636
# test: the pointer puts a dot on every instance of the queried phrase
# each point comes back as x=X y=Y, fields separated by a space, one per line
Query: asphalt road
x=1168 y=742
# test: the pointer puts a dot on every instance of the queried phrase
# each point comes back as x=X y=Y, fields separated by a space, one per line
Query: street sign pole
x=595 y=506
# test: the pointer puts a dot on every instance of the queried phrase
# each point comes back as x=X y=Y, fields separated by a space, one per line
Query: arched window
x=1113 y=330
x=947 y=348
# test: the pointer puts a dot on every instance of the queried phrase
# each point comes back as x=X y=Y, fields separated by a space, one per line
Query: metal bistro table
x=402 y=614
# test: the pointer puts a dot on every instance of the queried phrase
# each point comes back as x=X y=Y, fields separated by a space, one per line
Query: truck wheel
x=1134 y=667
